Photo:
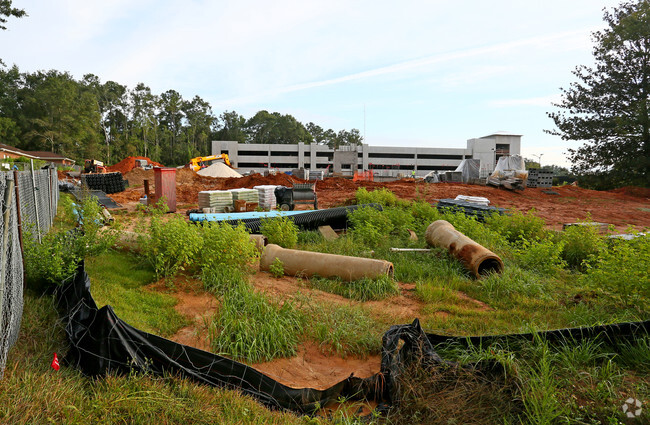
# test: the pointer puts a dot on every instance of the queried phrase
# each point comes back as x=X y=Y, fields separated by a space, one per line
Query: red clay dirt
x=311 y=367
x=620 y=207
x=128 y=164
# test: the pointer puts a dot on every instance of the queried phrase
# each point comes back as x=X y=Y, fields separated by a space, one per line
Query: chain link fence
x=27 y=201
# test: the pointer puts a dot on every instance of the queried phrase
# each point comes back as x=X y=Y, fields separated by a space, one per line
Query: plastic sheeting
x=100 y=342
x=510 y=166
x=470 y=169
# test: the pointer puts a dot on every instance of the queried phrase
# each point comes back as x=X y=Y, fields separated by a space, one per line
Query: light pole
x=539 y=159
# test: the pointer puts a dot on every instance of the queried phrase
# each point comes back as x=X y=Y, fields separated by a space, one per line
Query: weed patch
x=365 y=289
x=250 y=327
x=280 y=231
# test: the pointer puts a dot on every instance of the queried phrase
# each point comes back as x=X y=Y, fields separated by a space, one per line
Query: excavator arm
x=199 y=162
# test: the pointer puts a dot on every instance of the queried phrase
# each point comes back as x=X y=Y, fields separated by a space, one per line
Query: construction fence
x=28 y=200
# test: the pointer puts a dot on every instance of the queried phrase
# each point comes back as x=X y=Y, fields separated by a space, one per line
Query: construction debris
x=307 y=263
x=478 y=259
x=481 y=212
x=510 y=173
x=327 y=232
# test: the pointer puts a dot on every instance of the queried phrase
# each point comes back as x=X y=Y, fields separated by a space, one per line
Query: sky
x=410 y=73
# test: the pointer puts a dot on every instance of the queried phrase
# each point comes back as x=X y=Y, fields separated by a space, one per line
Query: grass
x=365 y=289
x=33 y=393
x=119 y=279
x=250 y=327
x=344 y=330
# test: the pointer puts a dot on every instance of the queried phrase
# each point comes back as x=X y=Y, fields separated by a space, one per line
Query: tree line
x=86 y=118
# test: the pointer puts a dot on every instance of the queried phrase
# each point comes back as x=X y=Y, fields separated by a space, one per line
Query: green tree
x=10 y=83
x=232 y=127
x=607 y=107
x=171 y=120
x=7 y=11
x=111 y=103
x=57 y=114
x=144 y=121
x=200 y=122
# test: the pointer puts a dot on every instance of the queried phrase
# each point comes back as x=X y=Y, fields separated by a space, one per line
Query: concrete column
x=301 y=155
x=365 y=162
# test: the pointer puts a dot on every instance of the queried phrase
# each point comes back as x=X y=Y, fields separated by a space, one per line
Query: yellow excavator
x=200 y=161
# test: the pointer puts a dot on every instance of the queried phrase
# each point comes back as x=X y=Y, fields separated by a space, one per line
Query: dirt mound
x=218 y=169
x=637 y=192
x=137 y=176
x=128 y=164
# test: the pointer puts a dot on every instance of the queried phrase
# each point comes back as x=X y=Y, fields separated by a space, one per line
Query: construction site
x=346 y=297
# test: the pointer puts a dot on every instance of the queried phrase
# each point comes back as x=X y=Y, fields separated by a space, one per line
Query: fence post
x=34 y=189
x=19 y=222
x=49 y=197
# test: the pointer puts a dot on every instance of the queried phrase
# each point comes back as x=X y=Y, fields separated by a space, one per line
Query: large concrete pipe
x=478 y=259
x=308 y=263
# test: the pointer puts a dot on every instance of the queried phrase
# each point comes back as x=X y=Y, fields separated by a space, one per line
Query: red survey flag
x=55 y=363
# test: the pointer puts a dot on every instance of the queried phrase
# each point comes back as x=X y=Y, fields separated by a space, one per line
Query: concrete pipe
x=260 y=241
x=478 y=259
x=308 y=263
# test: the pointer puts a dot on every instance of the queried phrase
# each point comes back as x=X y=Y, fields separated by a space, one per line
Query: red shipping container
x=165 y=181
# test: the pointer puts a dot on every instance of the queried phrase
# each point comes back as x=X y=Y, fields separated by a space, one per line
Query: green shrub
x=226 y=246
x=370 y=226
x=381 y=196
x=365 y=289
x=423 y=214
x=543 y=256
x=400 y=218
x=250 y=327
x=52 y=260
x=309 y=237
x=518 y=227
x=171 y=245
x=623 y=270
x=280 y=231
x=57 y=255
x=582 y=244
x=475 y=230
x=277 y=268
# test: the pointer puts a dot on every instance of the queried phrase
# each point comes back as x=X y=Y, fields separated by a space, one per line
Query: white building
x=385 y=161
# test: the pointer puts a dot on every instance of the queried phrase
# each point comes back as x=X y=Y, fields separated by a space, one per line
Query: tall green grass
x=251 y=327
x=365 y=289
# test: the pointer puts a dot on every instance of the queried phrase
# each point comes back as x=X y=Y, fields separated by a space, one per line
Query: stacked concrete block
x=539 y=178
x=217 y=200
x=266 y=196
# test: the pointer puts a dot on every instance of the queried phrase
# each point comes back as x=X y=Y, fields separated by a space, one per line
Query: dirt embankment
x=621 y=207
x=128 y=164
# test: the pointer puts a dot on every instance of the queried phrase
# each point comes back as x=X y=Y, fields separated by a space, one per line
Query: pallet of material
x=248 y=195
x=469 y=208
x=266 y=196
x=216 y=199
